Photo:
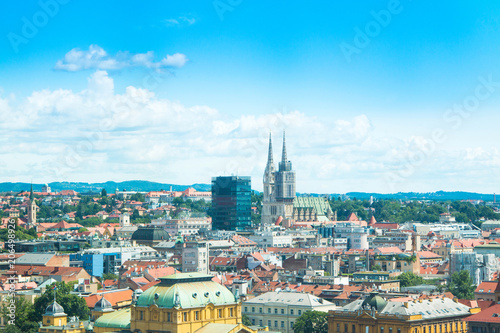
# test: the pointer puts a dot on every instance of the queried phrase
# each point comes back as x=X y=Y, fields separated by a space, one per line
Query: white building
x=280 y=309
x=184 y=226
x=272 y=239
x=356 y=235
x=195 y=257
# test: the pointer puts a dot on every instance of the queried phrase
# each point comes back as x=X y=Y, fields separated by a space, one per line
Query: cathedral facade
x=279 y=188
x=280 y=201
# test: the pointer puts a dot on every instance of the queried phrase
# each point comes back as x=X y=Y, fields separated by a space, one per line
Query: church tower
x=32 y=210
x=269 y=173
x=285 y=178
x=279 y=188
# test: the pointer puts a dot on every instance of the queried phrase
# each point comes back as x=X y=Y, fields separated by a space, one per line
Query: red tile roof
x=489 y=315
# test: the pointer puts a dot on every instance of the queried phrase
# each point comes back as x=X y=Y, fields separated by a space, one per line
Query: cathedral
x=280 y=201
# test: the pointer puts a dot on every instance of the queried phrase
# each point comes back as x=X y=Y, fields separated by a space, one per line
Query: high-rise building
x=231 y=203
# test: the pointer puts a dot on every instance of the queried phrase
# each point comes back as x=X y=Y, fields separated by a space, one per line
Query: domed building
x=180 y=303
x=55 y=320
x=375 y=314
x=101 y=307
x=150 y=235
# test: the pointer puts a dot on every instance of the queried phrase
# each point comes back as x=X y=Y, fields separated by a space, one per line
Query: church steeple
x=283 y=155
x=31 y=192
x=270 y=162
x=284 y=165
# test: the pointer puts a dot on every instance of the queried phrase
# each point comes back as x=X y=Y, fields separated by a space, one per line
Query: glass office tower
x=231 y=203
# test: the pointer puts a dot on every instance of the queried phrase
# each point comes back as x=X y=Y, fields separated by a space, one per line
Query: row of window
x=442 y=328
x=185 y=315
x=281 y=311
x=275 y=323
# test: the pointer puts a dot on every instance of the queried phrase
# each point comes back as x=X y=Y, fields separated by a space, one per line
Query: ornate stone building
x=280 y=200
x=377 y=315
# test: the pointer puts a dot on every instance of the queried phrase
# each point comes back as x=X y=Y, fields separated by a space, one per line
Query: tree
x=376 y=267
x=104 y=193
x=109 y=276
x=311 y=322
x=72 y=304
x=410 y=279
x=461 y=285
x=245 y=320
x=24 y=311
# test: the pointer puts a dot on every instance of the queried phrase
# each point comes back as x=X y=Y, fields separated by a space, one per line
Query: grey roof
x=288 y=297
x=34 y=259
x=54 y=309
x=429 y=309
x=103 y=305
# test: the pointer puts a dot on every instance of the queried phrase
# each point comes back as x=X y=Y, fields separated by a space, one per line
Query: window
x=185 y=316
x=230 y=312
x=382 y=329
x=260 y=310
x=282 y=311
x=338 y=327
x=269 y=323
x=282 y=324
x=399 y=330
x=345 y=328
x=291 y=311
x=390 y=329
x=220 y=313
x=141 y=315
x=291 y=324
x=246 y=309
x=253 y=321
x=268 y=310
x=197 y=315
x=300 y=312
x=275 y=323
x=253 y=309
x=260 y=322
x=169 y=316
x=275 y=311
x=353 y=328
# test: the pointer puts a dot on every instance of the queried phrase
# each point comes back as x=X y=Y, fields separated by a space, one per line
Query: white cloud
x=97 y=58
x=181 y=20
x=98 y=134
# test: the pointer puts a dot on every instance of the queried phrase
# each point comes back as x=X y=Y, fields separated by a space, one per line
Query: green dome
x=118 y=319
x=375 y=301
x=186 y=290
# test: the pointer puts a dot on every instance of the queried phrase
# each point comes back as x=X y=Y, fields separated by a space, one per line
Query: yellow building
x=56 y=321
x=376 y=315
x=180 y=303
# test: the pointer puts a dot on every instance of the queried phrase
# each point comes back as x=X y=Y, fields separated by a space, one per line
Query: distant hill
x=146 y=186
x=130 y=185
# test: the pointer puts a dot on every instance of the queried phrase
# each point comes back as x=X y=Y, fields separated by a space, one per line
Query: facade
x=184 y=226
x=481 y=266
x=376 y=315
x=183 y=303
x=279 y=188
x=272 y=239
x=280 y=310
x=195 y=257
x=356 y=235
x=231 y=203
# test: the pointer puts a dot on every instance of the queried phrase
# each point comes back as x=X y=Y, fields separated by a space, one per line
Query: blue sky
x=177 y=91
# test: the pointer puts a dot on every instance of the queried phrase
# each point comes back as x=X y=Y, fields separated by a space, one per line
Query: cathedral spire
x=283 y=156
x=270 y=161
